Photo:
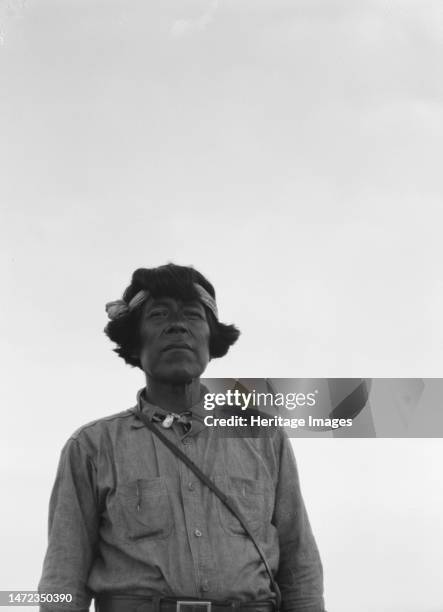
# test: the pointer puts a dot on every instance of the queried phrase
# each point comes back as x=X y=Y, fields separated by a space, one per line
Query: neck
x=173 y=397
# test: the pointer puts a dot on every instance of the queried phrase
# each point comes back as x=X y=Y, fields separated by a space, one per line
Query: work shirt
x=127 y=515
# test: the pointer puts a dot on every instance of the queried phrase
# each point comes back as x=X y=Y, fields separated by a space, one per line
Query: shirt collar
x=198 y=411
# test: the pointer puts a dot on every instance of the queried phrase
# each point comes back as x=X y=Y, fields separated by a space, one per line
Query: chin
x=179 y=376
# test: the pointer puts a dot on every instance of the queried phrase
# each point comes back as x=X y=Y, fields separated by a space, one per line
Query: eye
x=158 y=313
x=194 y=314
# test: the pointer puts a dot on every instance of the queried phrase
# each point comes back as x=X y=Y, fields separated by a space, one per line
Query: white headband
x=119 y=308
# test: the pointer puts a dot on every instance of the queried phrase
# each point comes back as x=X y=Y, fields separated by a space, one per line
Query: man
x=131 y=525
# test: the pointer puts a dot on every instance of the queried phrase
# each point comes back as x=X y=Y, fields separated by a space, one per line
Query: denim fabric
x=126 y=515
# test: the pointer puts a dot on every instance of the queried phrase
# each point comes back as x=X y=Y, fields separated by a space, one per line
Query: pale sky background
x=291 y=151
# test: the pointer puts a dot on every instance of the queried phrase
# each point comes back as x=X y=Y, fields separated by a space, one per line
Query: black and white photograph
x=221 y=229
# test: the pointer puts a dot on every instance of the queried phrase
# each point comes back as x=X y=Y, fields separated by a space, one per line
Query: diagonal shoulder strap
x=211 y=485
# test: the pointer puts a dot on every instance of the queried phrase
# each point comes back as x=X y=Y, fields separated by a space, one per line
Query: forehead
x=170 y=301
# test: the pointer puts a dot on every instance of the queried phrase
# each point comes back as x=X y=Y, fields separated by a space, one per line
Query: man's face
x=174 y=339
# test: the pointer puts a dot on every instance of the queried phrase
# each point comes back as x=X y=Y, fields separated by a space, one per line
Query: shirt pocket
x=249 y=498
x=144 y=508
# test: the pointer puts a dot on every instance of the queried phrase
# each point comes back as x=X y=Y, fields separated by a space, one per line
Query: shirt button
x=198 y=533
x=191 y=486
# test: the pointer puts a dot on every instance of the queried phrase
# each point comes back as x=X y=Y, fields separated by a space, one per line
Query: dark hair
x=173 y=281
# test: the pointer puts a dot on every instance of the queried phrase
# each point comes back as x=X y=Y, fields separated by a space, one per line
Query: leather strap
x=108 y=602
x=211 y=485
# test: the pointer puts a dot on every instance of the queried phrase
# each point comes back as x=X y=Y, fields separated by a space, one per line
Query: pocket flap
x=134 y=488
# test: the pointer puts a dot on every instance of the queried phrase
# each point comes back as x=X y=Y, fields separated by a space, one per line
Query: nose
x=176 y=323
x=175 y=326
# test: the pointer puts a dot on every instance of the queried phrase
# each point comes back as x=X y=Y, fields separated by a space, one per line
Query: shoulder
x=254 y=424
x=90 y=437
x=107 y=422
x=267 y=440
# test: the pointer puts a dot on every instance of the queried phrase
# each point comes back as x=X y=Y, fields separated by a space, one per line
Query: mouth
x=177 y=347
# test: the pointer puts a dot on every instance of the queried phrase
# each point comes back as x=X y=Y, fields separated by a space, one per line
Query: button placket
x=195 y=516
x=192 y=509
